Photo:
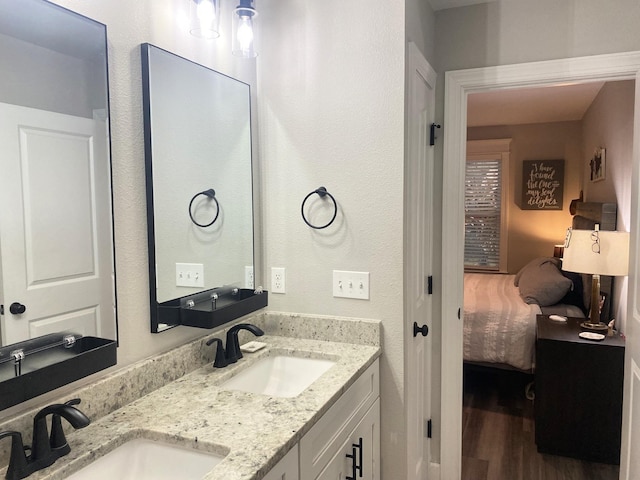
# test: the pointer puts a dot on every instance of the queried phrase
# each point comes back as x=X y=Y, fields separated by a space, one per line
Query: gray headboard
x=590 y=213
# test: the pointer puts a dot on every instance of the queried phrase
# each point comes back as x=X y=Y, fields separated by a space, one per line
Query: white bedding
x=498 y=326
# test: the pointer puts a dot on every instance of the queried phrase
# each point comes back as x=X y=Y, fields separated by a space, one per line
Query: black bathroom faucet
x=46 y=449
x=232 y=353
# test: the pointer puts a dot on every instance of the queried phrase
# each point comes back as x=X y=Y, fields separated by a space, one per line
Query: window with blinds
x=483 y=214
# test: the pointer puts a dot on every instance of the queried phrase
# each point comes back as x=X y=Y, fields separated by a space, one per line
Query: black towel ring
x=321 y=192
x=211 y=193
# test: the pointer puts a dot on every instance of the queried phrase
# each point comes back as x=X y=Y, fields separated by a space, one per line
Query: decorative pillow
x=543 y=284
x=535 y=263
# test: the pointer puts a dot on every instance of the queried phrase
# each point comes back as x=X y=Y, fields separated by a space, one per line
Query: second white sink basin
x=142 y=459
x=279 y=376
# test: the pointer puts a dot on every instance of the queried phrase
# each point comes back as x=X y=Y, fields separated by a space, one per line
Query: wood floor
x=498 y=439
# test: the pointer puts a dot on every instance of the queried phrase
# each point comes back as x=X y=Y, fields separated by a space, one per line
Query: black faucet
x=233 y=346
x=232 y=353
x=46 y=449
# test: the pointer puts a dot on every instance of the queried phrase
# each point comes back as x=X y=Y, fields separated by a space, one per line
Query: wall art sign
x=542 y=184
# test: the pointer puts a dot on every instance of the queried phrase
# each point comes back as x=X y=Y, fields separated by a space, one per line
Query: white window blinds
x=483 y=202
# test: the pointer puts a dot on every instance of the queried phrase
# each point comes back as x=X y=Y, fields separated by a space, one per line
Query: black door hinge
x=1 y=309
x=430 y=285
x=432 y=140
x=428 y=428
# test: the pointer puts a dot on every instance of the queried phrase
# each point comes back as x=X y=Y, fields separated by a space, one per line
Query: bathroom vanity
x=332 y=426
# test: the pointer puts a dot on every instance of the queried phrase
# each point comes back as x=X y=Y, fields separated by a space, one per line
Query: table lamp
x=596 y=252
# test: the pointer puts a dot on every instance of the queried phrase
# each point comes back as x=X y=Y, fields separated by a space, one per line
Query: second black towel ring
x=211 y=193
x=321 y=192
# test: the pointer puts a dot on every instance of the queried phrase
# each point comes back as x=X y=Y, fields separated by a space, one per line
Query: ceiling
x=517 y=106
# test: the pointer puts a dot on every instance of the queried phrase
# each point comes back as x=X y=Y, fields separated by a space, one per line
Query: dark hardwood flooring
x=498 y=438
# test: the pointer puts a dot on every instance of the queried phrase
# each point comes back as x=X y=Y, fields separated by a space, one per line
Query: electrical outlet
x=277 y=280
x=351 y=284
x=189 y=275
x=248 y=277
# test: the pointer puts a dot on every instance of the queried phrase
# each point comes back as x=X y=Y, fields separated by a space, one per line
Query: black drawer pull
x=356 y=465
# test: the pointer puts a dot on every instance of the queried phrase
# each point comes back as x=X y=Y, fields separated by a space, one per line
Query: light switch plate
x=189 y=275
x=351 y=284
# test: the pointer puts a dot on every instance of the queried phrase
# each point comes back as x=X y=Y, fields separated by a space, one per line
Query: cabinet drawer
x=366 y=437
x=327 y=436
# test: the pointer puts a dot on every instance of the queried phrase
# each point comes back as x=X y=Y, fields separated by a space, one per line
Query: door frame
x=458 y=85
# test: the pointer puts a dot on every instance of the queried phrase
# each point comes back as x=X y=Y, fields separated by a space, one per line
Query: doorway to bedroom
x=509 y=132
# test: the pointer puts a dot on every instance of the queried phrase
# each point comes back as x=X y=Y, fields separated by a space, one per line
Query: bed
x=500 y=310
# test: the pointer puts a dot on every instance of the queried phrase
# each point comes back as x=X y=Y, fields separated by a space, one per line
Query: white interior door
x=418 y=261
x=55 y=225
x=630 y=455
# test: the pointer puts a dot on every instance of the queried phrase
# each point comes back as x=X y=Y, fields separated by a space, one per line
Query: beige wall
x=533 y=233
x=609 y=123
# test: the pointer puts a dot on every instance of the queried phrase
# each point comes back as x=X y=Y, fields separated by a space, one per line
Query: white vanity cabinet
x=345 y=443
x=348 y=432
x=285 y=469
x=358 y=457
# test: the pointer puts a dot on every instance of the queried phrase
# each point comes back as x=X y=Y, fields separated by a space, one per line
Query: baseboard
x=434 y=471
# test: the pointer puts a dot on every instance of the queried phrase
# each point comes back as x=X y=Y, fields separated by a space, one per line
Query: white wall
x=609 y=123
x=36 y=71
x=331 y=96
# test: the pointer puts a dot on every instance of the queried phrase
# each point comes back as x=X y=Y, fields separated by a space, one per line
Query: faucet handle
x=57 y=440
x=18 y=460
x=221 y=359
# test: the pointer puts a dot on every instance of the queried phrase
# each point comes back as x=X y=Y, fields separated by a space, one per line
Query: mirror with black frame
x=199 y=193
x=56 y=228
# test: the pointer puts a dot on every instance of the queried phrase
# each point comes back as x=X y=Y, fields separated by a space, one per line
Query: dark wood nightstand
x=578 y=385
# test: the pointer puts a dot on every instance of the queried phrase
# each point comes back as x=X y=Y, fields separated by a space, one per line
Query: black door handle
x=424 y=330
x=17 y=308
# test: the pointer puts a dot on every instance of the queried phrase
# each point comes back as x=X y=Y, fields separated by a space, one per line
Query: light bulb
x=243 y=30
x=205 y=12
x=245 y=34
x=204 y=18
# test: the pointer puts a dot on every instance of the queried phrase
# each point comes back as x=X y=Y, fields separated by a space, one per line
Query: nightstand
x=578 y=385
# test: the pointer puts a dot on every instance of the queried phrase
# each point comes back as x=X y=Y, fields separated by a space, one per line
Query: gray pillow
x=535 y=263
x=543 y=284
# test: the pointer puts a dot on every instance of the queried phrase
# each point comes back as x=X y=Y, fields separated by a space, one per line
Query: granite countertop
x=253 y=431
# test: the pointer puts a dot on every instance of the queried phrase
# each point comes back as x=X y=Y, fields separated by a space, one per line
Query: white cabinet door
x=285 y=469
x=361 y=450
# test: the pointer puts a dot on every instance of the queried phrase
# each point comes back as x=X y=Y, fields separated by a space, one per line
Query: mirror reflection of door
x=55 y=238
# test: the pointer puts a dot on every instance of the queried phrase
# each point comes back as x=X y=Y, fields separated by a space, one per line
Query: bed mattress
x=498 y=326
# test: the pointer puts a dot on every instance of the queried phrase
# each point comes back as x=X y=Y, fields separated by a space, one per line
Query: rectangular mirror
x=56 y=229
x=199 y=190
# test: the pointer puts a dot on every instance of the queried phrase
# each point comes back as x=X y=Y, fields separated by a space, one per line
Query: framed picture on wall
x=542 y=184
x=597 y=165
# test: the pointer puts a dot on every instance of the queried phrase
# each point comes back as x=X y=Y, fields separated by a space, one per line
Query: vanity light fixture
x=204 y=18
x=243 y=20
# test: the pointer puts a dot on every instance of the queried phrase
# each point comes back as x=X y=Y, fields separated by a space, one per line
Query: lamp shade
x=598 y=252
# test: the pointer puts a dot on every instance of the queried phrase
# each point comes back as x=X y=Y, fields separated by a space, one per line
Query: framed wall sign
x=542 y=184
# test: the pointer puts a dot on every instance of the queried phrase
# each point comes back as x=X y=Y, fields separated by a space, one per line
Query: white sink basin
x=143 y=459
x=279 y=376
